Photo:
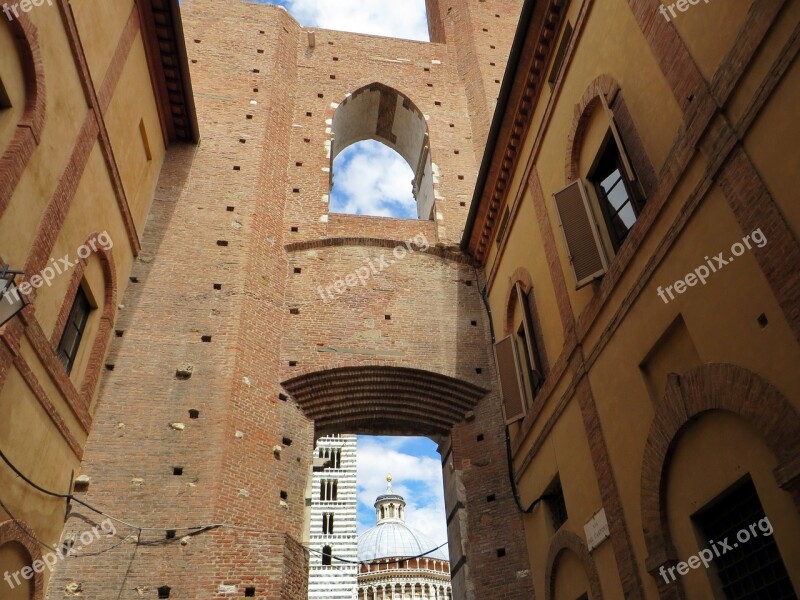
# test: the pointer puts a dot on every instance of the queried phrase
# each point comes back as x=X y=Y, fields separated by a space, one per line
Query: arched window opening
x=369 y=178
x=379 y=144
x=326 y=555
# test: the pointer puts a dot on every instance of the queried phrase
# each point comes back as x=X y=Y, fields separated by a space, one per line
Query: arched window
x=609 y=176
x=369 y=178
x=326 y=555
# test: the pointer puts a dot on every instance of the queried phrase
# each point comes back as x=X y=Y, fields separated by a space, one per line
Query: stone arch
x=522 y=276
x=16 y=531
x=708 y=388
x=608 y=87
x=379 y=112
x=101 y=340
x=566 y=541
x=29 y=128
x=383 y=399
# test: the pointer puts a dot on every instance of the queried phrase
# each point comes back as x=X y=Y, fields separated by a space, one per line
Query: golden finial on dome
x=389 y=482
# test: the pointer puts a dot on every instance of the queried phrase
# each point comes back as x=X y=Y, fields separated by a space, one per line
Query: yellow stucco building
x=636 y=218
x=91 y=96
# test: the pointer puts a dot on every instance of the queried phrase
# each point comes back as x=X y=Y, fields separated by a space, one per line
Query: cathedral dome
x=391 y=537
x=395 y=540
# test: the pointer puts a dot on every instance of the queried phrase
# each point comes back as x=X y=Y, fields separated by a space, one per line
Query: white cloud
x=406 y=19
x=370 y=178
x=417 y=478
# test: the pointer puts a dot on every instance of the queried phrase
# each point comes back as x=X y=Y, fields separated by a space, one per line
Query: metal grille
x=752 y=569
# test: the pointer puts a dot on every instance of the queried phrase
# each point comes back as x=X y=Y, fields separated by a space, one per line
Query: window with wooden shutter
x=586 y=254
x=532 y=356
x=507 y=359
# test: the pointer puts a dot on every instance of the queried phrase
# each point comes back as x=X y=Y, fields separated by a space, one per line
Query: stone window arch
x=710 y=387
x=18 y=548
x=606 y=155
x=379 y=112
x=22 y=107
x=104 y=293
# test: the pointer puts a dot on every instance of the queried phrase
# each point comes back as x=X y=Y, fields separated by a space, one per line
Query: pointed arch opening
x=382 y=122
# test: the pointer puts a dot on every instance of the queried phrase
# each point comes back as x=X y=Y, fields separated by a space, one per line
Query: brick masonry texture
x=221 y=265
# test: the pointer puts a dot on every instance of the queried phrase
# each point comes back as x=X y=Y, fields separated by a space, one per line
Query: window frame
x=5 y=99
x=81 y=301
x=731 y=502
x=634 y=197
x=531 y=354
x=556 y=504
x=560 y=55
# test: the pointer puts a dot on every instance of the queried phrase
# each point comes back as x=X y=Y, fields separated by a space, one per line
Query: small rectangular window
x=501 y=231
x=145 y=142
x=752 y=568
x=555 y=502
x=560 y=54
x=73 y=330
x=5 y=101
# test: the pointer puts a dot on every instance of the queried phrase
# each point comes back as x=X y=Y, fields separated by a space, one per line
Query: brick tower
x=228 y=362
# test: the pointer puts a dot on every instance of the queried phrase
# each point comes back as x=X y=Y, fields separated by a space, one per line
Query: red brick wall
x=231 y=474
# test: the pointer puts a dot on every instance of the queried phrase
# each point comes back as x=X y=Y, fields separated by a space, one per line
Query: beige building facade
x=636 y=221
x=92 y=95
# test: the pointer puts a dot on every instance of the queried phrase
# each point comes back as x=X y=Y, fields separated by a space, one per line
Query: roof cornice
x=522 y=84
x=165 y=47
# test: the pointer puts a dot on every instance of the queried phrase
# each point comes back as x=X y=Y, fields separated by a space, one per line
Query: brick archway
x=608 y=87
x=16 y=531
x=566 y=541
x=383 y=399
x=29 y=128
x=708 y=388
x=379 y=112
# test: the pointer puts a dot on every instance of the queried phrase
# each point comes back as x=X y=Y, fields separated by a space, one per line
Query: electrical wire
x=361 y=562
x=69 y=553
x=72 y=498
x=197 y=529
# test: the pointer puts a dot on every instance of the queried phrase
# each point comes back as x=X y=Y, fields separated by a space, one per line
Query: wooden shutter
x=530 y=340
x=617 y=139
x=586 y=253
x=505 y=354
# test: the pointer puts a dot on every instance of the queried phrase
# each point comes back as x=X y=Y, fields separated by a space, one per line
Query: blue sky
x=394 y=18
x=370 y=178
x=416 y=468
